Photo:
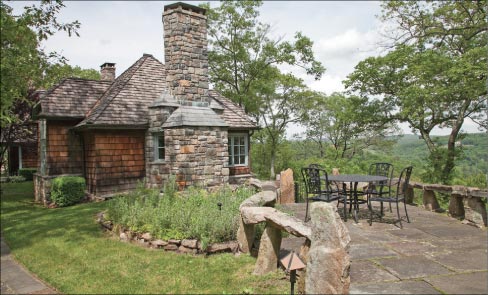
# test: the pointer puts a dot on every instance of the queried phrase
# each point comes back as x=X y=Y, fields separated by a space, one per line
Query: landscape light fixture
x=292 y=263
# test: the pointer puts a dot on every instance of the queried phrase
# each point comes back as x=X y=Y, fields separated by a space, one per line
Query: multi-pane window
x=238 y=149
x=159 y=146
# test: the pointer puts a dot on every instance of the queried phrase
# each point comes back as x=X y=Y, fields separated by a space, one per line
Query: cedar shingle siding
x=64 y=151
x=114 y=160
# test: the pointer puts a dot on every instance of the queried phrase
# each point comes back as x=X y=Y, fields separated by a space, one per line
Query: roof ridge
x=115 y=84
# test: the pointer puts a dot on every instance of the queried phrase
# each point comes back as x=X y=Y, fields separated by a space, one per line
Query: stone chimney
x=107 y=71
x=185 y=53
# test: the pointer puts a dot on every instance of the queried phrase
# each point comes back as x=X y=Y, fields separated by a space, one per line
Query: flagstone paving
x=433 y=254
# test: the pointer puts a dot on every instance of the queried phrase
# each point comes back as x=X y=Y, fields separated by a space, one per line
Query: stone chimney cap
x=186 y=6
x=147 y=54
x=108 y=65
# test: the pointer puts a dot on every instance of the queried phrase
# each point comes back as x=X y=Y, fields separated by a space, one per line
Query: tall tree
x=26 y=67
x=23 y=60
x=435 y=75
x=242 y=51
x=283 y=100
x=348 y=123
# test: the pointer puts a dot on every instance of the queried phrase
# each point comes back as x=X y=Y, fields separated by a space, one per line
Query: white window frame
x=231 y=140
x=156 y=149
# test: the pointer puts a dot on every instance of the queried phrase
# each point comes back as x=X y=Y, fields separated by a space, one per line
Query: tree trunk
x=272 y=174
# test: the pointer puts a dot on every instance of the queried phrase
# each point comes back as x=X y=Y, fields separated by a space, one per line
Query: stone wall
x=196 y=156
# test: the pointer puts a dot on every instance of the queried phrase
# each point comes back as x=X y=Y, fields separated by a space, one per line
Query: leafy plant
x=67 y=190
x=27 y=173
x=192 y=214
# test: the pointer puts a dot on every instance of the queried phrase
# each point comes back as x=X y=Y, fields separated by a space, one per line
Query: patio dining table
x=353 y=180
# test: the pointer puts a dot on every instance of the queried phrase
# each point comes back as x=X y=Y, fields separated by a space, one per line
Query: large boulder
x=328 y=261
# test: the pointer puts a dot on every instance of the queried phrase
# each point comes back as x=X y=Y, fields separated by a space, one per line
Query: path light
x=220 y=206
x=292 y=263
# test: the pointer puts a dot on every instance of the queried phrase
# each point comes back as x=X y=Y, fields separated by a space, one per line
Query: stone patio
x=433 y=254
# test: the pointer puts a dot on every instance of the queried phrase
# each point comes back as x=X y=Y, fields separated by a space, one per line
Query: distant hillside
x=474 y=145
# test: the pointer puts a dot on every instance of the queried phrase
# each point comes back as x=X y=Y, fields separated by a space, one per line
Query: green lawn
x=66 y=248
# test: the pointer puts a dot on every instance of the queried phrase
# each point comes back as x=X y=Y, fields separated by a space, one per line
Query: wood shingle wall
x=114 y=160
x=64 y=150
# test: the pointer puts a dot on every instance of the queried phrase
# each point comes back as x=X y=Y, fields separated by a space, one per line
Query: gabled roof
x=233 y=114
x=71 y=98
x=127 y=100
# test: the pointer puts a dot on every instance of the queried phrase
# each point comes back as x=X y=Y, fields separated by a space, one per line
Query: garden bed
x=193 y=221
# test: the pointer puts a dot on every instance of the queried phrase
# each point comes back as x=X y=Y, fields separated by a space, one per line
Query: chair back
x=315 y=179
x=403 y=181
x=382 y=169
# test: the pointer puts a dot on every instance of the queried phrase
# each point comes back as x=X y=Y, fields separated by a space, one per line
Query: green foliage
x=27 y=173
x=193 y=214
x=67 y=190
x=348 y=123
x=435 y=75
x=242 y=54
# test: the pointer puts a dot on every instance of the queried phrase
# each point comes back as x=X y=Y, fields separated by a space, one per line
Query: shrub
x=27 y=173
x=16 y=179
x=67 y=190
x=192 y=214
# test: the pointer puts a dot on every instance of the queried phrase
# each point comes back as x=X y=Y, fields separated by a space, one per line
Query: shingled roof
x=124 y=103
x=71 y=98
x=233 y=114
x=127 y=100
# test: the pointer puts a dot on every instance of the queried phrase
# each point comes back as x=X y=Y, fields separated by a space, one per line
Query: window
x=238 y=149
x=159 y=147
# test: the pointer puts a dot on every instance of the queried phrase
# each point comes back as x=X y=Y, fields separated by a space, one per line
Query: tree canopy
x=435 y=74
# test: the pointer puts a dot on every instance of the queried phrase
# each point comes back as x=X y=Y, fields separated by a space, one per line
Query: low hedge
x=27 y=173
x=67 y=190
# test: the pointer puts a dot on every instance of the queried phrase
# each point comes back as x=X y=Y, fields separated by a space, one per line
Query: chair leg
x=381 y=211
x=398 y=214
x=405 y=205
x=370 y=206
x=306 y=211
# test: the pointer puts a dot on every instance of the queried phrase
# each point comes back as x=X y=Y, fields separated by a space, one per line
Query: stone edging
x=188 y=246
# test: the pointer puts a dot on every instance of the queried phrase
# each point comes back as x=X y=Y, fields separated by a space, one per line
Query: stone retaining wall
x=466 y=203
x=190 y=246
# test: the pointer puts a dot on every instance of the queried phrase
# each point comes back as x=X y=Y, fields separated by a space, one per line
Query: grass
x=67 y=249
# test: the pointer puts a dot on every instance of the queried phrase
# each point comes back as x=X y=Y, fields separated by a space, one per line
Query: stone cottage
x=152 y=121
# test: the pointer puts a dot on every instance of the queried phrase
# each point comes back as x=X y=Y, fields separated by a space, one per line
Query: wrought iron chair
x=397 y=197
x=318 y=188
x=383 y=187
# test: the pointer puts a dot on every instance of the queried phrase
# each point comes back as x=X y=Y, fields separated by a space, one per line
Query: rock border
x=146 y=240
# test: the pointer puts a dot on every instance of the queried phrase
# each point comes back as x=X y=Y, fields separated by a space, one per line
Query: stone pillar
x=328 y=261
x=409 y=194
x=475 y=211
x=287 y=187
x=245 y=236
x=269 y=250
x=302 y=274
x=430 y=201
x=456 y=206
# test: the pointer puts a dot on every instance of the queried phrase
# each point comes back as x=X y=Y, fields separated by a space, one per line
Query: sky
x=343 y=32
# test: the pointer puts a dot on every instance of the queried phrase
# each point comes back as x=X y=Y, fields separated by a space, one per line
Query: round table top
x=356 y=178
